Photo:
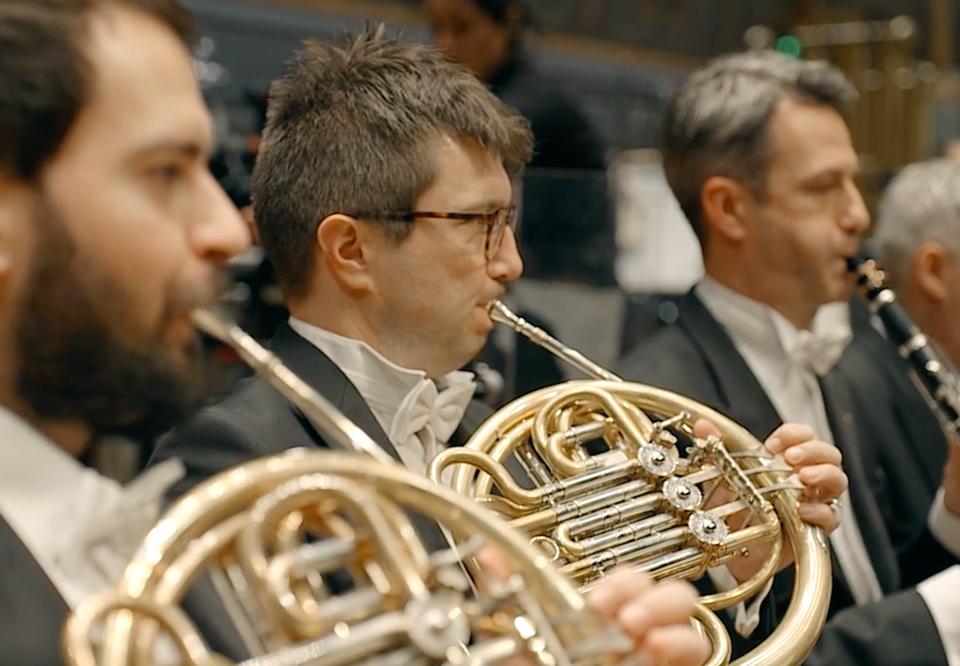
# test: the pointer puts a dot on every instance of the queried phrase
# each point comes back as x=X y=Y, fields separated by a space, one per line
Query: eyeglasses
x=495 y=221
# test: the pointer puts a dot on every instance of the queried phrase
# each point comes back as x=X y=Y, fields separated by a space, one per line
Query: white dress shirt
x=418 y=415
x=786 y=362
x=945 y=525
x=80 y=527
x=941 y=593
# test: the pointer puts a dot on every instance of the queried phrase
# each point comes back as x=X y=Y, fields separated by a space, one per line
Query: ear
x=6 y=238
x=930 y=268
x=342 y=242
x=17 y=208
x=726 y=206
x=248 y=219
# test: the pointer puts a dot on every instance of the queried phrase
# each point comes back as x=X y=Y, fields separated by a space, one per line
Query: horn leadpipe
x=502 y=314
x=932 y=374
x=341 y=431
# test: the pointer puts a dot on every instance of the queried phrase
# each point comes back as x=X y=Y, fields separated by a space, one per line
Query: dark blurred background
x=621 y=58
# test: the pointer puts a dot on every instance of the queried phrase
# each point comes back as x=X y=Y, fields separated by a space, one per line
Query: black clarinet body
x=932 y=375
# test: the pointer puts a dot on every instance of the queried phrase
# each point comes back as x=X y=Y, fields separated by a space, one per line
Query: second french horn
x=608 y=473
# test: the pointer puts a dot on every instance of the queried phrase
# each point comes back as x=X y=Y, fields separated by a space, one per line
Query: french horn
x=276 y=526
x=605 y=473
x=317 y=561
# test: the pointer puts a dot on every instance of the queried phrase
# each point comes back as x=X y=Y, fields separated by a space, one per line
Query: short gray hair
x=349 y=130
x=921 y=204
x=716 y=123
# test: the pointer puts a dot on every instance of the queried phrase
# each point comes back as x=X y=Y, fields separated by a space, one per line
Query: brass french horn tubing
x=579 y=495
x=601 y=488
x=169 y=559
x=501 y=314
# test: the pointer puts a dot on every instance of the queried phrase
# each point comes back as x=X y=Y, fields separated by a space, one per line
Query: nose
x=217 y=231
x=506 y=265
x=856 y=218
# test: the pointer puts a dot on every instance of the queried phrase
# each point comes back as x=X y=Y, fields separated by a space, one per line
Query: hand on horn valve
x=655 y=615
x=816 y=467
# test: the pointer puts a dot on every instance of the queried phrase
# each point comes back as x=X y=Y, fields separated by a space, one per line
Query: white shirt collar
x=765 y=331
x=44 y=495
x=40 y=484
x=387 y=388
x=81 y=527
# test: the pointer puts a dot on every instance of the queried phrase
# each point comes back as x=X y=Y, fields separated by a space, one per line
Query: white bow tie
x=426 y=408
x=819 y=351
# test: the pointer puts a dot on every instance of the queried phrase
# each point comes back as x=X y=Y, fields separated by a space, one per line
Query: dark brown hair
x=349 y=130
x=46 y=74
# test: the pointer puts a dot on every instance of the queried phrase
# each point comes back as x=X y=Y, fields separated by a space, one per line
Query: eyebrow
x=486 y=206
x=822 y=171
x=191 y=149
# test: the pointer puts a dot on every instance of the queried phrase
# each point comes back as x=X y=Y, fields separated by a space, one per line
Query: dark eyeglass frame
x=496 y=222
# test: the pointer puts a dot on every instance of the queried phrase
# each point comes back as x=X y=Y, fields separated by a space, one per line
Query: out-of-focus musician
x=111 y=231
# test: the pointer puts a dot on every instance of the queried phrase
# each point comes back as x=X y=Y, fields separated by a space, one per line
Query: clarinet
x=932 y=375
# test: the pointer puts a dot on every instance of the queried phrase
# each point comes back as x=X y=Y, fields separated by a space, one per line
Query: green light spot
x=789 y=45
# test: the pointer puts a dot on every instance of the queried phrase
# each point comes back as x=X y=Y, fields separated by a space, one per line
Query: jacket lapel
x=742 y=397
x=321 y=373
x=840 y=413
x=36 y=607
x=910 y=410
x=737 y=385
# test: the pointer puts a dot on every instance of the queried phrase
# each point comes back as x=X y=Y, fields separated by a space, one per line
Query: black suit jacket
x=695 y=356
x=897 y=631
x=910 y=446
x=256 y=420
x=32 y=612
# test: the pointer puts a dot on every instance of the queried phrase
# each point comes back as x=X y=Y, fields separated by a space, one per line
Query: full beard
x=74 y=363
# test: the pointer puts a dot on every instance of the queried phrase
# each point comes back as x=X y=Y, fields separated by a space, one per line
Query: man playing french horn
x=760 y=158
x=111 y=231
x=383 y=198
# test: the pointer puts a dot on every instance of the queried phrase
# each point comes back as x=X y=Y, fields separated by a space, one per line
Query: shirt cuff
x=939 y=593
x=945 y=525
x=746 y=616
